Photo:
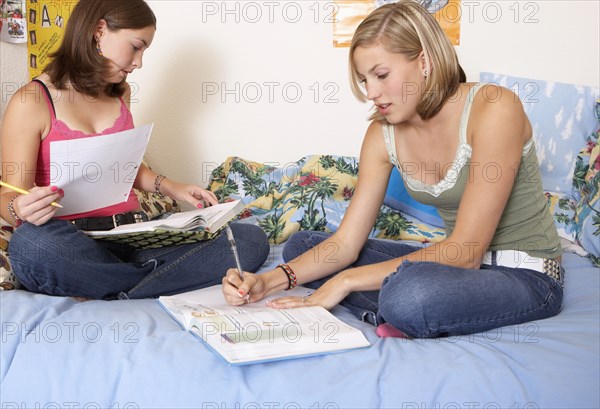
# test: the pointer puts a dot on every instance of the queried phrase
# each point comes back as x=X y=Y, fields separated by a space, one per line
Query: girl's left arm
x=151 y=181
x=498 y=130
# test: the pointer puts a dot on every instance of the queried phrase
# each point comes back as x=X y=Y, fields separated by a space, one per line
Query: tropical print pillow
x=562 y=207
x=312 y=193
x=586 y=184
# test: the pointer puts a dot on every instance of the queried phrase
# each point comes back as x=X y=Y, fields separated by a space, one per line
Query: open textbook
x=178 y=228
x=256 y=332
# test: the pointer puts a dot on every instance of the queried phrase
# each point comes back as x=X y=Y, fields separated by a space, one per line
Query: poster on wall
x=13 y=24
x=349 y=14
x=46 y=19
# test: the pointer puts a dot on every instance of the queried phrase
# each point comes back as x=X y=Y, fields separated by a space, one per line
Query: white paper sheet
x=98 y=171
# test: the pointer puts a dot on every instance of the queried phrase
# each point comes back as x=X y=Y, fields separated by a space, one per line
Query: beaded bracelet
x=11 y=212
x=157 y=183
x=291 y=276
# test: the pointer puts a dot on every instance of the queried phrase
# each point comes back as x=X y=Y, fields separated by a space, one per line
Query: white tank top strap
x=463 y=152
x=464 y=119
x=390 y=143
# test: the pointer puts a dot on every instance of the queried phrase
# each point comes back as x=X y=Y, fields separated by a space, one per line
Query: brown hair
x=77 y=59
x=408 y=28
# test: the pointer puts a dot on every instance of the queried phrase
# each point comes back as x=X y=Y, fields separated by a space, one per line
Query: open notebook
x=256 y=332
x=178 y=228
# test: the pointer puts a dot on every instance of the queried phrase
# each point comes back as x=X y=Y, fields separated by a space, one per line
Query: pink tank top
x=59 y=131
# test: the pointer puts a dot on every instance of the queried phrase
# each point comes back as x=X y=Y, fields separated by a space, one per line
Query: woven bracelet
x=291 y=276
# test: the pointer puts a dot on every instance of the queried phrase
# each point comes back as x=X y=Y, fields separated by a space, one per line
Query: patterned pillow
x=562 y=116
x=310 y=194
x=586 y=184
x=8 y=281
x=396 y=225
x=562 y=208
x=154 y=205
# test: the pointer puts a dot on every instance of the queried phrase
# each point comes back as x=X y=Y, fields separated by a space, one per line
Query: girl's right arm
x=342 y=248
x=26 y=121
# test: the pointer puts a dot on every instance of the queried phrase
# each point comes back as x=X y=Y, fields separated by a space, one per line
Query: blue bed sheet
x=58 y=352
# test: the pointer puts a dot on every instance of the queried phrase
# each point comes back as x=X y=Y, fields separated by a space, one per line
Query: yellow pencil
x=24 y=192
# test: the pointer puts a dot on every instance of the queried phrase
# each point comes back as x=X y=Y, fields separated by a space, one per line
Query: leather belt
x=109 y=222
x=520 y=259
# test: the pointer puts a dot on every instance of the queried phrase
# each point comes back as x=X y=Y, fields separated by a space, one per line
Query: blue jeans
x=427 y=300
x=58 y=259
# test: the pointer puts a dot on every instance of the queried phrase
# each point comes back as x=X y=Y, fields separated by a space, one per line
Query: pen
x=23 y=192
x=234 y=251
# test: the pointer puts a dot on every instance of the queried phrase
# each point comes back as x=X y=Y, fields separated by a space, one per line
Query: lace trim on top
x=118 y=126
x=64 y=129
x=463 y=153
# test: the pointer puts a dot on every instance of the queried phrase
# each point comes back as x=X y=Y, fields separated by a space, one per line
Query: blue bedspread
x=58 y=352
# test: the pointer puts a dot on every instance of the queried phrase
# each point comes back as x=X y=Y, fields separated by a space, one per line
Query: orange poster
x=349 y=14
x=46 y=24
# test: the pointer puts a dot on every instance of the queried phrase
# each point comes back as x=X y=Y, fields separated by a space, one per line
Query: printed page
x=209 y=302
x=99 y=171
x=256 y=332
x=277 y=334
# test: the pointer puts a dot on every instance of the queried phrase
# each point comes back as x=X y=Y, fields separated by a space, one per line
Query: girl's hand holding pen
x=255 y=287
x=238 y=292
x=36 y=207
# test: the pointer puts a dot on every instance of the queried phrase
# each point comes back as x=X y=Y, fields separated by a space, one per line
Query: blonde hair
x=408 y=28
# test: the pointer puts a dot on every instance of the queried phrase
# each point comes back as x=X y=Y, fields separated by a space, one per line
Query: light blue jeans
x=427 y=300
x=57 y=259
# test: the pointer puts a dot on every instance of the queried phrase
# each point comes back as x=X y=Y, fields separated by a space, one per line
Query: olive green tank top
x=526 y=223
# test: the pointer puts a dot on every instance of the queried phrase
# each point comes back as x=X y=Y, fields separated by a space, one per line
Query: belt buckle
x=138 y=218
x=114 y=219
x=552 y=268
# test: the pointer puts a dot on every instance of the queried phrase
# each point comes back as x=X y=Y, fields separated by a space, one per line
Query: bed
x=60 y=352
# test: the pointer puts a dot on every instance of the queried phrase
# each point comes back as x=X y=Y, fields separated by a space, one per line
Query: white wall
x=13 y=71
x=222 y=78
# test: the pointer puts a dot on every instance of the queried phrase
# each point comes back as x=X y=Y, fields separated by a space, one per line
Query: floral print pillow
x=586 y=183
x=562 y=207
x=312 y=193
